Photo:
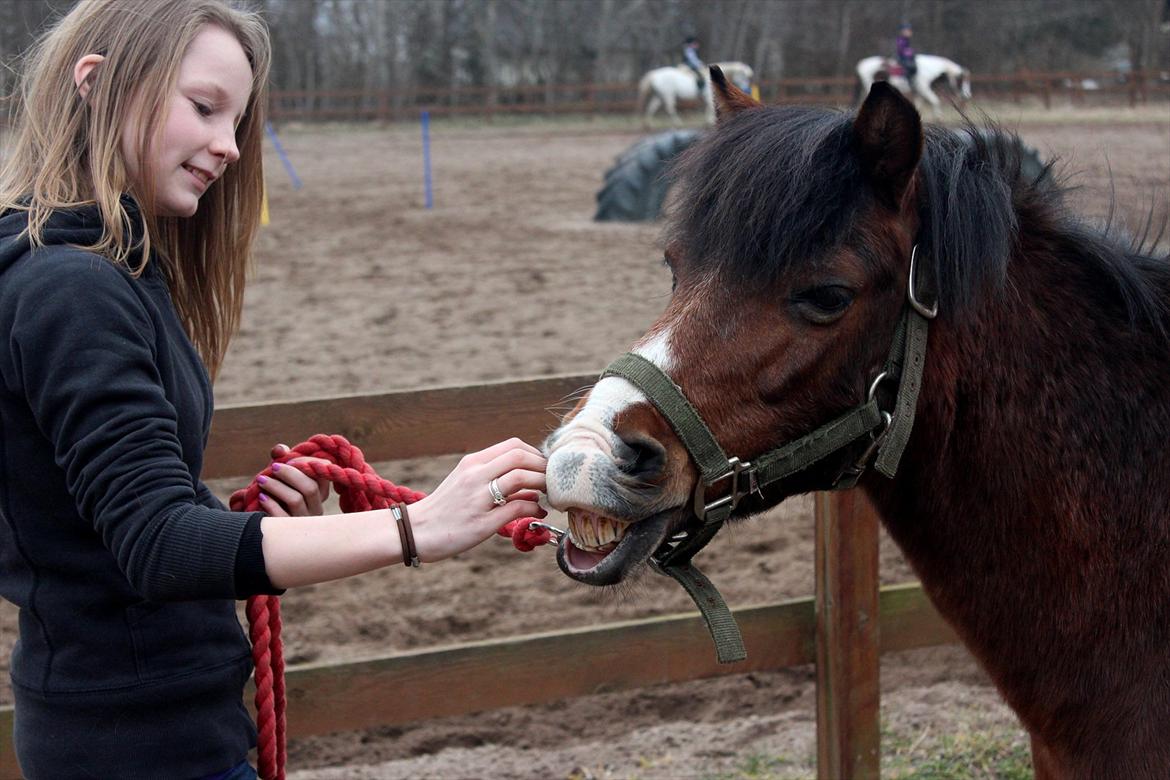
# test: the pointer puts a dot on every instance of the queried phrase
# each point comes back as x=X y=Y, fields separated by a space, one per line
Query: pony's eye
x=823 y=304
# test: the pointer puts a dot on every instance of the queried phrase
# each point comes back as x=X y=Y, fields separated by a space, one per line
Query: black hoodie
x=131 y=662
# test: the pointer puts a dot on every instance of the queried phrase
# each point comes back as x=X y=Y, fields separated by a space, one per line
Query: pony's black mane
x=775 y=188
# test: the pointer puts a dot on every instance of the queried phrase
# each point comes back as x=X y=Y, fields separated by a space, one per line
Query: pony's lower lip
x=608 y=568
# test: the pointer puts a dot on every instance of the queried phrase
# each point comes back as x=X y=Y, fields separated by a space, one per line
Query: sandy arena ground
x=359 y=289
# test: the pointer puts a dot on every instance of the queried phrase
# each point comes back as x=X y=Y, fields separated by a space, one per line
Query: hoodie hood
x=80 y=226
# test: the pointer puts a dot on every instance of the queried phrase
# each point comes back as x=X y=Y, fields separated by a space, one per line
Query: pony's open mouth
x=601 y=550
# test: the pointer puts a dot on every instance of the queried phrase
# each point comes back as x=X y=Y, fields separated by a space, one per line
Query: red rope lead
x=525 y=539
x=359 y=488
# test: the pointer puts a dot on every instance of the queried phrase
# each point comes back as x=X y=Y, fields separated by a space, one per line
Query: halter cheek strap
x=889 y=432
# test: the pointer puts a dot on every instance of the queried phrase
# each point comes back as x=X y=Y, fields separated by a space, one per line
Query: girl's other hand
x=289 y=491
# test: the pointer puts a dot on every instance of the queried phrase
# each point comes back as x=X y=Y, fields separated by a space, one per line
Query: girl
x=128 y=205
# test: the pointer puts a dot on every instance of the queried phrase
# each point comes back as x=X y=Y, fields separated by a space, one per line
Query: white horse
x=664 y=87
x=931 y=68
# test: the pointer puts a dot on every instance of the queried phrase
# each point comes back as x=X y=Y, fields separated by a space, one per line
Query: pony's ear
x=888 y=135
x=729 y=99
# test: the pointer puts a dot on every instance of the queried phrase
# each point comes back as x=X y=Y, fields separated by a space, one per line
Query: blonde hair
x=66 y=151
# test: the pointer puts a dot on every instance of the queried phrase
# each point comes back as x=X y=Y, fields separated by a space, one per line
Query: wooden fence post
x=848 y=733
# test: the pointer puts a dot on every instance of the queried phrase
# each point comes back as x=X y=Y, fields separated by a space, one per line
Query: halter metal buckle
x=743 y=482
x=858 y=467
x=862 y=463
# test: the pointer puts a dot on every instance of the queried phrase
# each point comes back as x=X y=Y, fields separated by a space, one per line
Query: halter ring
x=536 y=525
x=929 y=313
x=498 y=497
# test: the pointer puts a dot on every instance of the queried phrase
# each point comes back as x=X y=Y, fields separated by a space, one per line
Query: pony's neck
x=1044 y=412
x=1049 y=374
x=1032 y=494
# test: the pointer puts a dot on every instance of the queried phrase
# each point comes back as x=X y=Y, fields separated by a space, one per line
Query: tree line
x=402 y=44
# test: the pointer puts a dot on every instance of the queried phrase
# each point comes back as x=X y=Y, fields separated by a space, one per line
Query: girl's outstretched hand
x=289 y=491
x=461 y=512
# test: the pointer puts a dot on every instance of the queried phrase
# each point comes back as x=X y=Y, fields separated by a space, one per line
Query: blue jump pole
x=288 y=167
x=425 y=119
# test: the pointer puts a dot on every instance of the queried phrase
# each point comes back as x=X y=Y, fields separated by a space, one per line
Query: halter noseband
x=889 y=432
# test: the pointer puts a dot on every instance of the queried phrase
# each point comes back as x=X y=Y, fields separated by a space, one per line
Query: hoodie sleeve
x=82 y=345
x=251 y=576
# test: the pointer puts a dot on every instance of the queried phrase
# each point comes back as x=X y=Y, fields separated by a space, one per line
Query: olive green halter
x=888 y=433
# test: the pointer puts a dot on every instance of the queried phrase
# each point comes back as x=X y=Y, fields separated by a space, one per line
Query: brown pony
x=1033 y=495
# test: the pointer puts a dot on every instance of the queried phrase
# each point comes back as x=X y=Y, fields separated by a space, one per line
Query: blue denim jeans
x=241 y=771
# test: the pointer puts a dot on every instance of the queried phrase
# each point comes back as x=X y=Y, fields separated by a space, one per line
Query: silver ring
x=498 y=497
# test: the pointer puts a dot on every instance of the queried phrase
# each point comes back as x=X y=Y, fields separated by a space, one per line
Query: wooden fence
x=1079 y=88
x=843 y=628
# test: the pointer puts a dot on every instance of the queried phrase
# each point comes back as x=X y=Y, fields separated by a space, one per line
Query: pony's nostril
x=641 y=458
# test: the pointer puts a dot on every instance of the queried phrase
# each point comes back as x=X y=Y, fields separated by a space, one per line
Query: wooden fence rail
x=621 y=98
x=393 y=426
x=843 y=628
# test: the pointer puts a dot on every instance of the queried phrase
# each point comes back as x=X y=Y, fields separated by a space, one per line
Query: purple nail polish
x=261 y=479
x=276 y=467
x=263 y=498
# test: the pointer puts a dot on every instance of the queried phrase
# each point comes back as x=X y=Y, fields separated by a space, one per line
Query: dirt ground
x=360 y=289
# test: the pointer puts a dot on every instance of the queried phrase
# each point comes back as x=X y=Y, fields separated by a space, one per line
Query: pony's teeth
x=594 y=532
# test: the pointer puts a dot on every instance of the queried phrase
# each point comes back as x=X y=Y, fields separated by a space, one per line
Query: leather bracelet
x=405 y=535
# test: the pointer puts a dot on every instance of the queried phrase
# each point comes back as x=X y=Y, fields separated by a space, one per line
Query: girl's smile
x=201 y=176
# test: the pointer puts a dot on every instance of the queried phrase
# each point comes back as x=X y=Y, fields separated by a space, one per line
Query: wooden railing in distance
x=842 y=629
x=621 y=98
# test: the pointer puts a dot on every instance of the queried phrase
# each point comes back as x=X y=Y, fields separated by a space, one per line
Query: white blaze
x=612 y=394
x=581 y=451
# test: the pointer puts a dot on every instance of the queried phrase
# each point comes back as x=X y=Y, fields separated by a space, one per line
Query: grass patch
x=757 y=766
x=996 y=754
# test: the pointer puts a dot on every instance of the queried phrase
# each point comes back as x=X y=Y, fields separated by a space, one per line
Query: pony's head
x=790 y=247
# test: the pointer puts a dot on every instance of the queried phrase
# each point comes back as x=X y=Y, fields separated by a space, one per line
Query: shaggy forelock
x=768 y=189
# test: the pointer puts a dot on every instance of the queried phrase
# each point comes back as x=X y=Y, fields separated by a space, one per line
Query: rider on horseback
x=692 y=61
x=905 y=51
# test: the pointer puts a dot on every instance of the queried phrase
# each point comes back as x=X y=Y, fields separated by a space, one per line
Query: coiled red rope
x=359 y=488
